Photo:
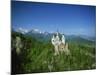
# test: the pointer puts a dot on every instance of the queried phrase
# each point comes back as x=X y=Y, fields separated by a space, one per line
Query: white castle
x=59 y=44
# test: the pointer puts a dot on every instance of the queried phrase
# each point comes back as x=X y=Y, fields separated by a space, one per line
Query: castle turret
x=63 y=39
x=57 y=39
x=53 y=40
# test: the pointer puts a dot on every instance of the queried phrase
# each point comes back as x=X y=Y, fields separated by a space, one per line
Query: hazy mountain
x=91 y=38
x=46 y=36
x=21 y=30
x=78 y=39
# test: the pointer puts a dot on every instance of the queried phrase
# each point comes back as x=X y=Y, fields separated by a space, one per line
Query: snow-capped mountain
x=21 y=30
x=35 y=31
x=24 y=31
x=47 y=35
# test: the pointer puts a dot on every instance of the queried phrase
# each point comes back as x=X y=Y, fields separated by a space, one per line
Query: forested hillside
x=37 y=55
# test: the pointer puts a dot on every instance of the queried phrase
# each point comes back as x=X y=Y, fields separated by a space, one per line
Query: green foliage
x=38 y=56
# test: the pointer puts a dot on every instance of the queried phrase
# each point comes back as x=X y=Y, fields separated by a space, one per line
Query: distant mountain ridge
x=45 y=36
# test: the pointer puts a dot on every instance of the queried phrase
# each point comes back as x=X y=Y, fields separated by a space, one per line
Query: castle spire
x=57 y=33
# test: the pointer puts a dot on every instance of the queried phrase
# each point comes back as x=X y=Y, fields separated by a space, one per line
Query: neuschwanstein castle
x=59 y=44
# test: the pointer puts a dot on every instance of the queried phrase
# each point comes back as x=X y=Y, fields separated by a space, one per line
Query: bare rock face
x=18 y=45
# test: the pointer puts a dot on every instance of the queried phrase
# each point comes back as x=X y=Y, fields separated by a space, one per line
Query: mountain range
x=45 y=36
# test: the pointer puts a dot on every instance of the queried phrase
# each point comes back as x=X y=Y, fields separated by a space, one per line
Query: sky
x=51 y=17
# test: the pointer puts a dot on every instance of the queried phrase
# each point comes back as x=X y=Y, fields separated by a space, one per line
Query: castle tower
x=57 y=39
x=53 y=40
x=63 y=39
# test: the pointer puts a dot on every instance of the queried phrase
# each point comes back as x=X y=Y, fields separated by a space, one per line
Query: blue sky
x=68 y=19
